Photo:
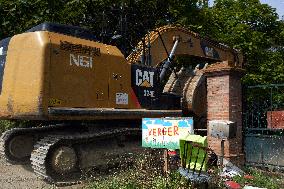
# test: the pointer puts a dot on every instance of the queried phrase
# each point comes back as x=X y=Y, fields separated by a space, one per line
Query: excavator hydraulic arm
x=158 y=50
x=163 y=39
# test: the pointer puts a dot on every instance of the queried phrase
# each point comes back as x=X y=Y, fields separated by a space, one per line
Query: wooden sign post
x=166 y=162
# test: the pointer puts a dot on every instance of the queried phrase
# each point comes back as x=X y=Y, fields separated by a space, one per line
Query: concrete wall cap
x=227 y=122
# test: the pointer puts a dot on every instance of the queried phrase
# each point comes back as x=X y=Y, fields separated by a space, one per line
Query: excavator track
x=35 y=133
x=43 y=153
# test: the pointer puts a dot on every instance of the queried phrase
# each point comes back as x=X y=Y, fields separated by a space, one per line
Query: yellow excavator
x=88 y=96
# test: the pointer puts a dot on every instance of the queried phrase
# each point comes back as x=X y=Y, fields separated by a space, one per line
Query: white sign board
x=165 y=132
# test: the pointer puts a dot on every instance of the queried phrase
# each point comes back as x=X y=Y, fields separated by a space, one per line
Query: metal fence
x=263 y=117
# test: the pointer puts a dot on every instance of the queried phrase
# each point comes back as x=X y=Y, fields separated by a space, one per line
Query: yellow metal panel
x=120 y=80
x=190 y=43
x=23 y=81
x=95 y=83
x=46 y=69
x=75 y=85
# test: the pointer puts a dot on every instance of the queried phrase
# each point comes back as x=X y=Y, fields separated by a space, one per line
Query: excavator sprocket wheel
x=63 y=160
x=20 y=147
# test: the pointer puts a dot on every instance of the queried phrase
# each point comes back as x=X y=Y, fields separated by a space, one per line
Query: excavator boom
x=162 y=40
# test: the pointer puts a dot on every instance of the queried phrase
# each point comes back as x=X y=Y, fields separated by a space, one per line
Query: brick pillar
x=224 y=102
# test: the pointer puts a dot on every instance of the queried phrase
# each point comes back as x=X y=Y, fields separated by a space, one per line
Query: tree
x=18 y=16
x=131 y=19
x=247 y=25
x=253 y=28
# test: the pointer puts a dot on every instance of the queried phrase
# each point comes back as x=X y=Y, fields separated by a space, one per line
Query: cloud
x=190 y=121
x=167 y=123
x=144 y=126
x=158 y=121
x=148 y=122
x=183 y=124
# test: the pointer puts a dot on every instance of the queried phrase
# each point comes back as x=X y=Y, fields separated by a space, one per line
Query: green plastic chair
x=194 y=155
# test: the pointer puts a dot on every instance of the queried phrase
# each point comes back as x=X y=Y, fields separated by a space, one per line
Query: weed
x=261 y=179
x=9 y=124
x=146 y=173
x=6 y=125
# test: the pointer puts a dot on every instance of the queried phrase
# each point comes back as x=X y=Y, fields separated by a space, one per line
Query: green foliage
x=261 y=179
x=145 y=173
x=6 y=125
x=130 y=18
x=253 y=28
x=132 y=179
x=114 y=183
x=244 y=24
x=175 y=181
x=247 y=25
x=9 y=124
x=140 y=177
x=20 y=15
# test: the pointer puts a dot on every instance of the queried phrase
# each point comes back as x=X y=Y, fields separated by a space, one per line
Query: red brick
x=224 y=102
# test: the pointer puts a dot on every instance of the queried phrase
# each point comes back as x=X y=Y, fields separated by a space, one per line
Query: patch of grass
x=137 y=179
x=261 y=179
x=146 y=173
x=6 y=125
x=9 y=124
x=113 y=182
x=174 y=180
x=133 y=179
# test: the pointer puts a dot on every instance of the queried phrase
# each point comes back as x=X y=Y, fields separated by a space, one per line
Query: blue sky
x=278 y=4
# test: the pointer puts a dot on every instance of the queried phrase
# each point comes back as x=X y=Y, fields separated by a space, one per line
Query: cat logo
x=144 y=78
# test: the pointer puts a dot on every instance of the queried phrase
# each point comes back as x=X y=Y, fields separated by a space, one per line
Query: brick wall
x=224 y=102
x=275 y=119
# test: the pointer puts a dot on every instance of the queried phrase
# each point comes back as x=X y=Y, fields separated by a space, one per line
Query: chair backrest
x=195 y=157
x=194 y=153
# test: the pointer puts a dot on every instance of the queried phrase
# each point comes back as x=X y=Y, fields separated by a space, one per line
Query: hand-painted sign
x=165 y=132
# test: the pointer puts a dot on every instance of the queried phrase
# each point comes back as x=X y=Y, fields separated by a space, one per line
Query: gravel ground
x=22 y=177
